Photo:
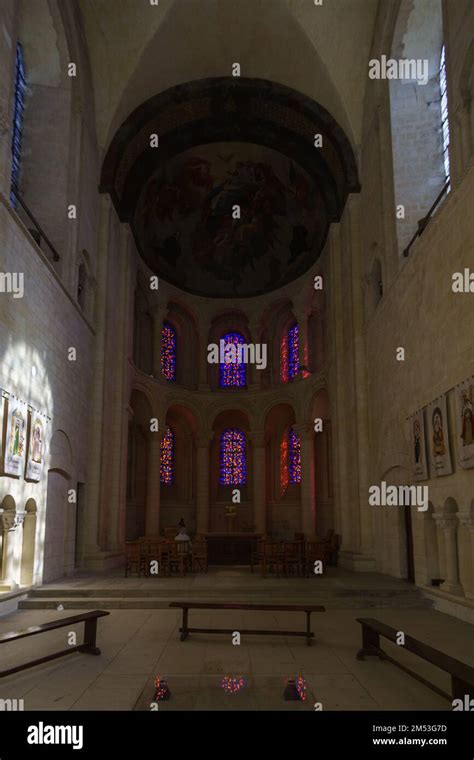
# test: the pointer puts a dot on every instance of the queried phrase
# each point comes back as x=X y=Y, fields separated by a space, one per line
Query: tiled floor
x=138 y=644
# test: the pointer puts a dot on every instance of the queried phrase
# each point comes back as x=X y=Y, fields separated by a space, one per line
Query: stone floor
x=140 y=642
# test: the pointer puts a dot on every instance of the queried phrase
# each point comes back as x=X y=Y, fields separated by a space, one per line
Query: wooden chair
x=152 y=550
x=333 y=549
x=314 y=551
x=293 y=558
x=199 y=555
x=134 y=558
x=178 y=555
x=256 y=556
x=273 y=557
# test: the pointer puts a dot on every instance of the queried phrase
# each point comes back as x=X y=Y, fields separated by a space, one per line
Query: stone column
x=308 y=496
x=28 y=549
x=203 y=366
x=90 y=540
x=115 y=467
x=449 y=527
x=153 y=489
x=259 y=480
x=158 y=314
x=468 y=522
x=11 y=553
x=203 y=443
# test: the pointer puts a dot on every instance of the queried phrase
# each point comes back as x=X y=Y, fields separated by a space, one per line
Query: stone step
x=108 y=603
x=257 y=590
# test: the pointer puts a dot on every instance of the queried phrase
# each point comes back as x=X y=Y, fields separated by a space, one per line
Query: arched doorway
x=283 y=491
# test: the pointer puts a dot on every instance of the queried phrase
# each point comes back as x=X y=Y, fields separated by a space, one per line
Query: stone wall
x=36 y=332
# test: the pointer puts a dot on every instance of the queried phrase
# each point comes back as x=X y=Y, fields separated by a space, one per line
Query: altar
x=230 y=548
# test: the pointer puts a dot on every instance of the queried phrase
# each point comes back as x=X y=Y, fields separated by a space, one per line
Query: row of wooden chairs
x=172 y=557
x=287 y=558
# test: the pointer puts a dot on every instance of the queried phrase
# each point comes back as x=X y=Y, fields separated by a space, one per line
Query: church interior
x=282 y=424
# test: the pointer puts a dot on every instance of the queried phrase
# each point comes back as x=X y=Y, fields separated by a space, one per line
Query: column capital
x=203 y=440
x=257 y=437
x=304 y=429
x=445 y=521
x=467 y=521
x=12 y=519
x=158 y=310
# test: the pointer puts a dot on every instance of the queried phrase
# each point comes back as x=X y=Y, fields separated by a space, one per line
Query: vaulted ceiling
x=138 y=50
x=167 y=69
x=236 y=199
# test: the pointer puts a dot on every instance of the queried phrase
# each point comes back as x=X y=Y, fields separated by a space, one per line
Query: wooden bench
x=88 y=646
x=462 y=675
x=185 y=630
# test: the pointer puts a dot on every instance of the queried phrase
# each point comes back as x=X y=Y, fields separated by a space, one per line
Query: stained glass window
x=290 y=354
x=168 y=352
x=293 y=350
x=294 y=457
x=167 y=458
x=233 y=466
x=232 y=370
x=284 y=464
x=444 y=111
x=18 y=110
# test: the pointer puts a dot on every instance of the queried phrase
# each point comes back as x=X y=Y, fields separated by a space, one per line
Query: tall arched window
x=167 y=458
x=290 y=353
x=18 y=109
x=284 y=478
x=168 y=352
x=290 y=459
x=233 y=465
x=232 y=370
x=443 y=89
x=294 y=457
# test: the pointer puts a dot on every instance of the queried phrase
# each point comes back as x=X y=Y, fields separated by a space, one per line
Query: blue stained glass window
x=18 y=111
x=233 y=465
x=167 y=458
x=232 y=370
x=294 y=457
x=293 y=351
x=168 y=352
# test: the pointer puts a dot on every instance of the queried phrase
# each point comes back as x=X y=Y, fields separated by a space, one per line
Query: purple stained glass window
x=233 y=466
x=168 y=352
x=167 y=458
x=232 y=370
x=293 y=351
x=294 y=457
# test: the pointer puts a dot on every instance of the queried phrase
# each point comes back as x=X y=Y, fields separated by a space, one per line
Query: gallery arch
x=178 y=468
x=231 y=470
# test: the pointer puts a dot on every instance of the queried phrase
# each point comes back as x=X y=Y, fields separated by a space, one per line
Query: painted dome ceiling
x=236 y=200
x=188 y=234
